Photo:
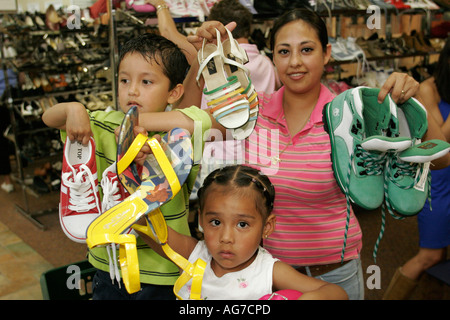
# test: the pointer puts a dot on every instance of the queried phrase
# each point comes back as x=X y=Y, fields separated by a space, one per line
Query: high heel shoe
x=39 y=22
x=52 y=19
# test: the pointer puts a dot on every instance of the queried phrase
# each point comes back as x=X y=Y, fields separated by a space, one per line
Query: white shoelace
x=82 y=187
x=111 y=197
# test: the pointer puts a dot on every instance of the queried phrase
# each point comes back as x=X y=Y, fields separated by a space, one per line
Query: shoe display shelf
x=52 y=66
x=400 y=43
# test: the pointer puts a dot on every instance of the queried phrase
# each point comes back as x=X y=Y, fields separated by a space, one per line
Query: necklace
x=276 y=159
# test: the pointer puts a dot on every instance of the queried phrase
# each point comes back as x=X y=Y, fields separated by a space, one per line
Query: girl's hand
x=401 y=86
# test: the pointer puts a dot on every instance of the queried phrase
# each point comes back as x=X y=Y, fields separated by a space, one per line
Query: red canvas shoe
x=79 y=197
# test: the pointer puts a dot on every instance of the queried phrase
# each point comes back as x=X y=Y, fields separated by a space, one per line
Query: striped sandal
x=235 y=57
x=225 y=96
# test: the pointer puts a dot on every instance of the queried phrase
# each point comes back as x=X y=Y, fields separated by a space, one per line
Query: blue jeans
x=104 y=289
x=349 y=277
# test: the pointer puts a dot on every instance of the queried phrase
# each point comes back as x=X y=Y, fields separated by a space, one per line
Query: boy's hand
x=78 y=126
x=145 y=150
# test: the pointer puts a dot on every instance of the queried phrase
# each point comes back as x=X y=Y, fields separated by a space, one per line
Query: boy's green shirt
x=154 y=269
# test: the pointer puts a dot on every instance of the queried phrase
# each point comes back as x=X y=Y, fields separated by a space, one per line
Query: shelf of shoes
x=57 y=61
x=54 y=64
x=349 y=50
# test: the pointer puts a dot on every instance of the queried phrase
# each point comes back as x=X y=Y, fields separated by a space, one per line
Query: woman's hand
x=208 y=31
x=401 y=86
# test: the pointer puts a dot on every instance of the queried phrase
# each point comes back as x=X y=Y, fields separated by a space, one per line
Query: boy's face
x=141 y=82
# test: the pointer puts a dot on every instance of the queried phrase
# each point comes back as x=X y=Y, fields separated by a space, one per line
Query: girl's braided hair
x=240 y=176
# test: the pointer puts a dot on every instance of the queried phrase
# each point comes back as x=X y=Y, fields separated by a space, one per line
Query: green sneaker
x=406 y=178
x=358 y=126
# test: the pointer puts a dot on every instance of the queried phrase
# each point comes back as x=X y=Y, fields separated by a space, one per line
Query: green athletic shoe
x=359 y=127
x=406 y=178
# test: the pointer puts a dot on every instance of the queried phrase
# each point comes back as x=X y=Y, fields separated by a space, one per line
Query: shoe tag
x=420 y=185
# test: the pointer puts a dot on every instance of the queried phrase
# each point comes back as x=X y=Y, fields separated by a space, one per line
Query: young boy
x=150 y=75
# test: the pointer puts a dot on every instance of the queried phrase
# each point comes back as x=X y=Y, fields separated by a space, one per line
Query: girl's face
x=142 y=83
x=233 y=229
x=299 y=57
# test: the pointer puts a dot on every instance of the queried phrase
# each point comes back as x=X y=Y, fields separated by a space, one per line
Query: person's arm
x=430 y=97
x=168 y=29
x=180 y=243
x=72 y=117
x=286 y=277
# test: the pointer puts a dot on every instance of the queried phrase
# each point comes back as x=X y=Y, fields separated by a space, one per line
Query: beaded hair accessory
x=235 y=173
x=265 y=190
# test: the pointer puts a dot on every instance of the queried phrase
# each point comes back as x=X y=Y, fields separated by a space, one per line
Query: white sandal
x=228 y=104
x=235 y=57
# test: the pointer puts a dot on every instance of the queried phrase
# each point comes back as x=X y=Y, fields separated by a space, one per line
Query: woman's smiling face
x=299 y=56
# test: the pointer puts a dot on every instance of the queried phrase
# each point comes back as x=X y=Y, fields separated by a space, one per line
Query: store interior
x=55 y=60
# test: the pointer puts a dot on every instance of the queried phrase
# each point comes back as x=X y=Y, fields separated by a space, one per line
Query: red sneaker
x=79 y=197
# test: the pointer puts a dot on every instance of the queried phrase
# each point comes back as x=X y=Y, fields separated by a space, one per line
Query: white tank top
x=250 y=283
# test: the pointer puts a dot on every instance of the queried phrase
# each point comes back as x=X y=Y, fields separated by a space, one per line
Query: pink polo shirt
x=310 y=208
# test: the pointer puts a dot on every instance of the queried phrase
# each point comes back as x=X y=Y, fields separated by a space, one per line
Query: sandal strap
x=232 y=83
x=131 y=153
x=237 y=51
x=238 y=105
x=228 y=102
x=156 y=229
x=203 y=63
x=127 y=257
x=225 y=97
x=165 y=165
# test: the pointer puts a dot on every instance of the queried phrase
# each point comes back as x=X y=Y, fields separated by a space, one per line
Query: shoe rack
x=53 y=64
x=404 y=41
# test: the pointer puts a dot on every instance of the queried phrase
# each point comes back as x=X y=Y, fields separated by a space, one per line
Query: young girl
x=235 y=213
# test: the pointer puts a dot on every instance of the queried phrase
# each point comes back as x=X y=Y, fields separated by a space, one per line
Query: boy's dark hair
x=227 y=11
x=156 y=48
x=236 y=177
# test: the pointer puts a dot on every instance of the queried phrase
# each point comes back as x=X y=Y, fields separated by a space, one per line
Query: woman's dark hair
x=306 y=15
x=156 y=48
x=236 y=177
x=442 y=72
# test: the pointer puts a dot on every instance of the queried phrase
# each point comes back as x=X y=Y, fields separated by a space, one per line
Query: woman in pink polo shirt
x=290 y=145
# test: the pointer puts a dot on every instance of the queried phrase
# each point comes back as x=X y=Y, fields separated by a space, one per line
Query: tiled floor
x=20 y=268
